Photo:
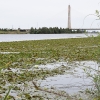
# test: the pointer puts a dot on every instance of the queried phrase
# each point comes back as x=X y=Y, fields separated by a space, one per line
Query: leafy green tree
x=32 y=31
x=53 y=30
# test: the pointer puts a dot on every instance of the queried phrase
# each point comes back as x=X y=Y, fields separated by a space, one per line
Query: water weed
x=31 y=54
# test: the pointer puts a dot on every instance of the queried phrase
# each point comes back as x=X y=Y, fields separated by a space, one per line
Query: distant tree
x=52 y=30
x=45 y=30
x=5 y=29
x=56 y=30
x=32 y=31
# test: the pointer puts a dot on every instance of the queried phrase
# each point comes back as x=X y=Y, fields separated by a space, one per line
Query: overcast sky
x=47 y=13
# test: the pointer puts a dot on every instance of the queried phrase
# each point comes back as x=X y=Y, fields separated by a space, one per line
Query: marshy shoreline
x=25 y=64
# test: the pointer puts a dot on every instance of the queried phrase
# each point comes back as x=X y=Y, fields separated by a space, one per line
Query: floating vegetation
x=24 y=63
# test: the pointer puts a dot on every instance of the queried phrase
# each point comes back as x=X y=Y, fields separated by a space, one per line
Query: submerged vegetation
x=19 y=63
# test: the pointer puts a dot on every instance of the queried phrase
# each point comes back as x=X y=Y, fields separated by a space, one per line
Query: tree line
x=53 y=30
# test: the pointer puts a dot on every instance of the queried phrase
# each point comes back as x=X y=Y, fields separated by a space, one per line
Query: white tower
x=69 y=17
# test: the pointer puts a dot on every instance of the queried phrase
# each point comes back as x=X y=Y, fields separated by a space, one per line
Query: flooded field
x=73 y=80
x=63 y=69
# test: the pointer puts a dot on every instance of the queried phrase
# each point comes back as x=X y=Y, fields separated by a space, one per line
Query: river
x=23 y=37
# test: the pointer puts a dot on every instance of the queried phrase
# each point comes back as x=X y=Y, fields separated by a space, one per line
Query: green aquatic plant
x=7 y=95
x=34 y=53
x=94 y=74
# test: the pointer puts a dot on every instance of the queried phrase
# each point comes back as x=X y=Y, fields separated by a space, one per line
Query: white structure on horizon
x=69 y=17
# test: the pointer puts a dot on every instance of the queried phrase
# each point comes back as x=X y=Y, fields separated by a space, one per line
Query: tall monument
x=69 y=17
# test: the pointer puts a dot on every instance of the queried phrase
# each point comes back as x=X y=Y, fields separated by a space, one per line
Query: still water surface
x=74 y=80
x=22 y=37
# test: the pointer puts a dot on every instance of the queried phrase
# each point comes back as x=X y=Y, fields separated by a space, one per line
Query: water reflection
x=74 y=80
